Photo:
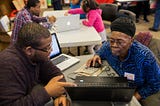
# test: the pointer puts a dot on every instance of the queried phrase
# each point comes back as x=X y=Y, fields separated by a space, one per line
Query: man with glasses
x=129 y=58
x=27 y=76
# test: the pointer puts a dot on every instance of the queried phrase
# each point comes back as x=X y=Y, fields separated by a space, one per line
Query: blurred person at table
x=131 y=59
x=30 y=13
x=27 y=76
x=93 y=18
x=76 y=4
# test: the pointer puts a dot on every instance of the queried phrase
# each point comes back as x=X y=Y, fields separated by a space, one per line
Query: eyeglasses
x=119 y=42
x=46 y=49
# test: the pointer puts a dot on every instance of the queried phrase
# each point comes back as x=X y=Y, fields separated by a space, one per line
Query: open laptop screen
x=62 y=61
x=56 y=50
x=66 y=23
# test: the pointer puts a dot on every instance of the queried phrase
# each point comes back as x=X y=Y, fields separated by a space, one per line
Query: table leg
x=78 y=50
x=69 y=52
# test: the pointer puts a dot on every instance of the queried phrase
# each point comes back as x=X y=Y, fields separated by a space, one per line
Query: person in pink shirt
x=93 y=18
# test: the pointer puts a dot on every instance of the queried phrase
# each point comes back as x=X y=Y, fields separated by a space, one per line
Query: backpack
x=153 y=44
x=144 y=37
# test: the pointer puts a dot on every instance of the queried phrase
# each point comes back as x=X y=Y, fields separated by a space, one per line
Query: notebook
x=62 y=61
x=66 y=23
x=114 y=89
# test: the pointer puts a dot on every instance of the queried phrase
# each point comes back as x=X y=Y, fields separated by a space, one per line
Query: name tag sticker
x=129 y=76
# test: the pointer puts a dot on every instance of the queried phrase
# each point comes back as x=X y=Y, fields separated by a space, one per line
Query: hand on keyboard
x=86 y=71
x=89 y=71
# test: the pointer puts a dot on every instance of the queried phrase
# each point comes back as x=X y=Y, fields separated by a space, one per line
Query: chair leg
x=86 y=50
x=78 y=51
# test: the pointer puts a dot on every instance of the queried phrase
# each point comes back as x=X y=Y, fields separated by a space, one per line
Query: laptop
x=112 y=89
x=67 y=23
x=62 y=61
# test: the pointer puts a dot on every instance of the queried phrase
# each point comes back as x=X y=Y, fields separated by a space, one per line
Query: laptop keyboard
x=59 y=60
x=111 y=82
x=116 y=85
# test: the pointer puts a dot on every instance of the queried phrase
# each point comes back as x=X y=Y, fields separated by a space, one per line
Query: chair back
x=144 y=37
x=130 y=14
x=109 y=11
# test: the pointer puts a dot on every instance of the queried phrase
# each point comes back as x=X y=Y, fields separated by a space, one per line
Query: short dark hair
x=32 y=3
x=31 y=34
x=92 y=4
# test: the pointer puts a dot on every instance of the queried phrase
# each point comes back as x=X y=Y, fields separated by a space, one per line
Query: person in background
x=25 y=1
x=93 y=18
x=131 y=59
x=57 y=4
x=76 y=4
x=146 y=7
x=156 y=23
x=30 y=13
x=27 y=76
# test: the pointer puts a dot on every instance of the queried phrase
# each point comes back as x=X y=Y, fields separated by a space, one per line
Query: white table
x=83 y=60
x=75 y=38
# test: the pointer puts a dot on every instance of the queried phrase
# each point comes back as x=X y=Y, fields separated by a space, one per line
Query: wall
x=6 y=7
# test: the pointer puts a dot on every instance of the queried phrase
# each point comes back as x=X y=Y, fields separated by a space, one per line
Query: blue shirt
x=82 y=16
x=140 y=62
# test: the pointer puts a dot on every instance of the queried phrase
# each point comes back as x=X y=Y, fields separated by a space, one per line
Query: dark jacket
x=21 y=82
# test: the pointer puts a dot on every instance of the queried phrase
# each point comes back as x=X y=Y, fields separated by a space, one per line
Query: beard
x=39 y=58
